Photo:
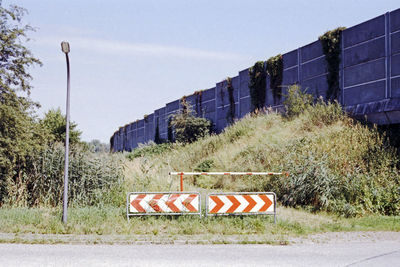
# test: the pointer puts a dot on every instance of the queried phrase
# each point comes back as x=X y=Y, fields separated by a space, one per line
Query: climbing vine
x=275 y=72
x=170 y=134
x=199 y=101
x=257 y=85
x=157 y=138
x=231 y=115
x=184 y=105
x=331 y=47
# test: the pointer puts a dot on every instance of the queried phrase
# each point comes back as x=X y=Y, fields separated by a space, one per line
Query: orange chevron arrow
x=153 y=203
x=170 y=203
x=218 y=202
x=267 y=202
x=136 y=203
x=187 y=204
x=235 y=204
x=251 y=201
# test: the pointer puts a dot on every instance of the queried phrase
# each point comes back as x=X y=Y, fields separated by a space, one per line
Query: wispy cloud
x=110 y=47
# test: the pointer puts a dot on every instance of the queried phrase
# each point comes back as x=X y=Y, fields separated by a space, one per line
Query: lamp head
x=65 y=47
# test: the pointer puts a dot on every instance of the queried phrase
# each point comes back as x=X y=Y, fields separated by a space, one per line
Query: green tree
x=55 y=123
x=157 y=138
x=20 y=135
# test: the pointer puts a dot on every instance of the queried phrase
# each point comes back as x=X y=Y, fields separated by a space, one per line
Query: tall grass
x=94 y=179
x=335 y=163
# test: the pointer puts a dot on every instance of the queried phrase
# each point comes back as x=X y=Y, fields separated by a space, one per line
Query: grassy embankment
x=343 y=177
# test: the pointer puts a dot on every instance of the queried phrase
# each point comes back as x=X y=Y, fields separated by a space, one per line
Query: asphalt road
x=353 y=254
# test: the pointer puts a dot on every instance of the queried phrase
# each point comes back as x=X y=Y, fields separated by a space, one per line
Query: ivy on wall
x=199 y=102
x=184 y=105
x=275 y=72
x=331 y=41
x=157 y=138
x=170 y=134
x=231 y=115
x=257 y=85
x=125 y=137
x=222 y=94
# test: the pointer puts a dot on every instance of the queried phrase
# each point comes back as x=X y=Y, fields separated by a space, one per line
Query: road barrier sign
x=246 y=203
x=163 y=203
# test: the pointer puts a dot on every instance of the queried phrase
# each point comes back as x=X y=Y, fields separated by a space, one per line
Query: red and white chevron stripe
x=241 y=203
x=164 y=203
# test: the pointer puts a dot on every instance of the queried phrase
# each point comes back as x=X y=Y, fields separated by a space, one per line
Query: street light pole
x=65 y=49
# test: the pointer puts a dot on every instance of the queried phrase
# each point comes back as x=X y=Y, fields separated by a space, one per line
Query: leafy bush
x=296 y=101
x=205 y=165
x=189 y=128
x=361 y=180
x=322 y=113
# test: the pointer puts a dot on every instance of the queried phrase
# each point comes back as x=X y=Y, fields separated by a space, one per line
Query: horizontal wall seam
x=363 y=63
x=366 y=83
x=311 y=60
x=364 y=42
x=315 y=76
x=396 y=31
x=289 y=68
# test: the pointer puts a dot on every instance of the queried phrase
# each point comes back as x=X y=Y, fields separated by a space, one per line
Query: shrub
x=296 y=101
x=316 y=113
x=205 y=165
x=323 y=113
x=189 y=128
x=359 y=181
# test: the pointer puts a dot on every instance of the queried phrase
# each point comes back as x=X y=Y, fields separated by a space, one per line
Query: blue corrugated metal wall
x=369 y=82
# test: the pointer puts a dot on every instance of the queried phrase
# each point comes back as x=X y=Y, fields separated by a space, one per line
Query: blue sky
x=129 y=58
